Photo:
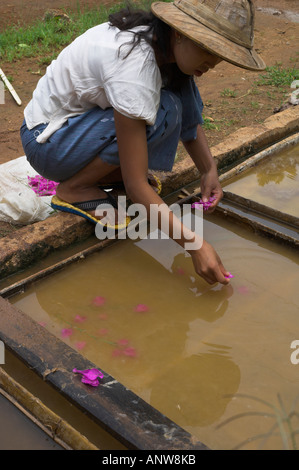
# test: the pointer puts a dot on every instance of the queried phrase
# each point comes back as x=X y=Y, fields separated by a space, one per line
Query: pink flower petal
x=98 y=301
x=206 y=204
x=90 y=376
x=123 y=342
x=66 y=332
x=117 y=352
x=103 y=331
x=141 y=308
x=131 y=352
x=243 y=290
x=93 y=383
x=103 y=316
x=80 y=345
x=79 y=319
x=229 y=276
x=41 y=186
x=180 y=271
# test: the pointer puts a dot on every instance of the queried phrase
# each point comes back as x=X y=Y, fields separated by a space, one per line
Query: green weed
x=278 y=76
x=47 y=37
x=283 y=424
x=229 y=93
x=255 y=104
x=209 y=124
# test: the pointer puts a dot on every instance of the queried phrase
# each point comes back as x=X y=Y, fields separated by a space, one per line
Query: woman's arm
x=133 y=155
x=199 y=151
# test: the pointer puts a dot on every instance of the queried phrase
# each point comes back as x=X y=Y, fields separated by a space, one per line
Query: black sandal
x=80 y=208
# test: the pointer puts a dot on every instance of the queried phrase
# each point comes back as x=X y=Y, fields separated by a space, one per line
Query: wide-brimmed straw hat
x=223 y=27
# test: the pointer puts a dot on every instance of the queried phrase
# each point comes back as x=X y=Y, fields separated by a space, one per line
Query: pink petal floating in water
x=180 y=271
x=98 y=301
x=141 y=308
x=90 y=376
x=117 y=352
x=66 y=332
x=123 y=342
x=131 y=352
x=103 y=331
x=80 y=345
x=79 y=319
x=243 y=290
x=103 y=316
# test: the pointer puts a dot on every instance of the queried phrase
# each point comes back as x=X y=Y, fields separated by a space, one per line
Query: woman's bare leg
x=83 y=186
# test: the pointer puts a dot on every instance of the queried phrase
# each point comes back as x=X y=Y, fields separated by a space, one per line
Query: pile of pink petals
x=90 y=376
x=206 y=204
x=41 y=186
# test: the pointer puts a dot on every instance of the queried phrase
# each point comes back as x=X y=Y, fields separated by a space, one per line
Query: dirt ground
x=231 y=98
x=228 y=92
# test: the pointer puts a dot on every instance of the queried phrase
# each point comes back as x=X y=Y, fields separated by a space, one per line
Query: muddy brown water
x=273 y=182
x=193 y=351
x=18 y=432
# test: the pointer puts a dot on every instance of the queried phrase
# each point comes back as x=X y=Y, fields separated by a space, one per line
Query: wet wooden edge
x=257 y=227
x=277 y=215
x=262 y=229
x=123 y=414
x=20 y=286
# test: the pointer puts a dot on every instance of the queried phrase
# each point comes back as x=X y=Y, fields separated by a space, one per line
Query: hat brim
x=207 y=38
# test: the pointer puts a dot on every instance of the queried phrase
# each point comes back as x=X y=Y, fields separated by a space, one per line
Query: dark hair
x=158 y=35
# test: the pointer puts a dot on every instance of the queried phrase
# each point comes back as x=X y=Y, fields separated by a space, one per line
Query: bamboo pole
x=10 y=88
x=52 y=424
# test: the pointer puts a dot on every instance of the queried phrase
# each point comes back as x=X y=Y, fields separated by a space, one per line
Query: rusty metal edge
x=118 y=410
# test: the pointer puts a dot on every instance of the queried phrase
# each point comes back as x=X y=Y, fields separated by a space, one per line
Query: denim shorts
x=92 y=134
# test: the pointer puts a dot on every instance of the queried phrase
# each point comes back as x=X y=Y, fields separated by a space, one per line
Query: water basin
x=193 y=351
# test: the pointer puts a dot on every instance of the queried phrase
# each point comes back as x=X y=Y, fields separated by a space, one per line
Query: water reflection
x=273 y=182
x=203 y=385
x=277 y=168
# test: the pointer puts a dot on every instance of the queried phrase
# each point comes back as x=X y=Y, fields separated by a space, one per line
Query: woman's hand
x=208 y=265
x=211 y=188
x=199 y=151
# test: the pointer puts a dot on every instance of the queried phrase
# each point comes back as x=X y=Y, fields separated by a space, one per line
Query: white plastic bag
x=18 y=202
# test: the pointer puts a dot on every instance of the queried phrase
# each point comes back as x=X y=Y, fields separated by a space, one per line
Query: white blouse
x=93 y=71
